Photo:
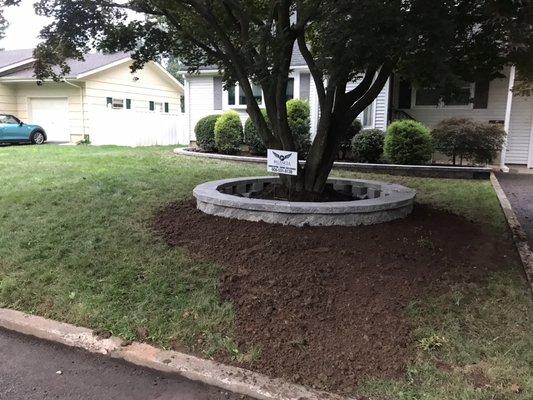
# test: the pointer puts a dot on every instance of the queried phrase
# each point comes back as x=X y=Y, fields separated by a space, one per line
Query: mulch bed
x=327 y=305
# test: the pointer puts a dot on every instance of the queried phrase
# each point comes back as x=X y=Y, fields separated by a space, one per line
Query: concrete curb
x=226 y=377
x=428 y=171
x=519 y=235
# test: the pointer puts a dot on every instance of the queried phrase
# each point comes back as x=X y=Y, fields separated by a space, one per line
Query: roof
x=14 y=59
x=297 y=60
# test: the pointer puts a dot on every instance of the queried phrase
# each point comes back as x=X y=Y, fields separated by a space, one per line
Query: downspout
x=507 y=122
x=82 y=105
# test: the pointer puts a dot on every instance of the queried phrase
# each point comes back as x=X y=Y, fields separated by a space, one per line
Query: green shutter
x=128 y=104
x=166 y=107
x=152 y=106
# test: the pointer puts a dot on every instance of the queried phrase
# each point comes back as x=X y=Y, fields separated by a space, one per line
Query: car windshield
x=8 y=119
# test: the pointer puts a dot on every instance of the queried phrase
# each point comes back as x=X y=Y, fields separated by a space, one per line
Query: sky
x=24 y=27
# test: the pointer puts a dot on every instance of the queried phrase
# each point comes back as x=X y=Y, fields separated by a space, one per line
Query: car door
x=14 y=130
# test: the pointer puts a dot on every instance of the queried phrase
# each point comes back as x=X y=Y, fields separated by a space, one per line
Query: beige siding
x=26 y=91
x=8 y=102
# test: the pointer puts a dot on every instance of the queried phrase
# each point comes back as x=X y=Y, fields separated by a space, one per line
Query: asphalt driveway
x=519 y=191
x=32 y=369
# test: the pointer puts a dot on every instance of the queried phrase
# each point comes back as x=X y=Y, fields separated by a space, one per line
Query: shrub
x=252 y=139
x=299 y=117
x=228 y=133
x=467 y=139
x=346 y=142
x=205 y=132
x=408 y=142
x=368 y=145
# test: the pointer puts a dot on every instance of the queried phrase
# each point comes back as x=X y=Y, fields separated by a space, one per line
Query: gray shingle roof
x=92 y=61
x=10 y=57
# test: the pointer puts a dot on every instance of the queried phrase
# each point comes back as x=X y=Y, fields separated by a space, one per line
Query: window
x=236 y=96
x=8 y=119
x=112 y=102
x=258 y=93
x=155 y=106
x=231 y=95
x=367 y=116
x=434 y=98
x=290 y=89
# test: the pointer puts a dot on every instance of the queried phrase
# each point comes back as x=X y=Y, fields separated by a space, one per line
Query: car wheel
x=37 y=138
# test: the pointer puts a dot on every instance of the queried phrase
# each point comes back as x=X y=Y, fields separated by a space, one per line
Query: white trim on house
x=16 y=65
x=507 y=120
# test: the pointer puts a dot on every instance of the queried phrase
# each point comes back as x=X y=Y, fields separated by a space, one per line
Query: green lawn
x=75 y=246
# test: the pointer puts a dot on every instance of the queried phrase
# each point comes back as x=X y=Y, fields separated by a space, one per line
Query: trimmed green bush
x=367 y=146
x=346 y=142
x=468 y=140
x=299 y=116
x=205 y=133
x=228 y=133
x=408 y=142
x=252 y=139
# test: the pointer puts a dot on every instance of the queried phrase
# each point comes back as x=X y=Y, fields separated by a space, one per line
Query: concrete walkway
x=519 y=191
x=28 y=371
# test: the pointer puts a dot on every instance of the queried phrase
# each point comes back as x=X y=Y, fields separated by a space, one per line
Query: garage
x=52 y=114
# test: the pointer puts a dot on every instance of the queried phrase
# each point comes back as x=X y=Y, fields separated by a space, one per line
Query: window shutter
x=166 y=107
x=128 y=104
x=217 y=93
x=404 y=95
x=481 y=94
x=109 y=101
x=305 y=86
x=152 y=106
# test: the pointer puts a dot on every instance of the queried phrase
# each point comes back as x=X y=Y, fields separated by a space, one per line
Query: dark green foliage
x=408 y=142
x=299 y=116
x=468 y=140
x=367 y=146
x=205 y=132
x=252 y=139
x=346 y=143
x=228 y=133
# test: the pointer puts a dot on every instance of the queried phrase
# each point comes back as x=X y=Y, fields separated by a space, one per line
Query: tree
x=437 y=44
x=175 y=67
x=3 y=22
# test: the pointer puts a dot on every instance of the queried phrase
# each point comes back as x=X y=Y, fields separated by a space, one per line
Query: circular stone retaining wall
x=378 y=202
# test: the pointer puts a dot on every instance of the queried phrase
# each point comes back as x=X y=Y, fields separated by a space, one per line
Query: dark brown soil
x=327 y=305
x=279 y=192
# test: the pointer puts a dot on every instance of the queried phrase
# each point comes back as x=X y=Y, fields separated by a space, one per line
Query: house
x=100 y=98
x=491 y=102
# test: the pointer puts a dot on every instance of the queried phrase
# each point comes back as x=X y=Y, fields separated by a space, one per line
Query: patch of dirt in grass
x=326 y=306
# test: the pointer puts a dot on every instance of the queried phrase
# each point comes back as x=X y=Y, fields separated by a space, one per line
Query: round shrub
x=408 y=142
x=368 y=145
x=252 y=139
x=299 y=116
x=205 y=133
x=467 y=139
x=228 y=133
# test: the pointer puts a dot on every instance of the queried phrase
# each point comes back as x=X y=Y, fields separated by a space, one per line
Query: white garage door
x=52 y=115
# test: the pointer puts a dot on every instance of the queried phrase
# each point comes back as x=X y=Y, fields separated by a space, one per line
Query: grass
x=75 y=246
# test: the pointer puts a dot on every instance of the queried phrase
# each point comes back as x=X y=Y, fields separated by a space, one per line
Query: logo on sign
x=282 y=162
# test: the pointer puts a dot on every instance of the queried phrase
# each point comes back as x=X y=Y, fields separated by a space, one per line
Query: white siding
x=380 y=107
x=199 y=100
x=519 y=138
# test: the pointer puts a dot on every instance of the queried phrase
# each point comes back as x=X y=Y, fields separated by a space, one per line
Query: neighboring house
x=100 y=98
x=489 y=102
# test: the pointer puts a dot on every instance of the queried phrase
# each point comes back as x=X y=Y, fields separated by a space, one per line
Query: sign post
x=282 y=162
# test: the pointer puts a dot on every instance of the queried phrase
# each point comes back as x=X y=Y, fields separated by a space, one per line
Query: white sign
x=282 y=162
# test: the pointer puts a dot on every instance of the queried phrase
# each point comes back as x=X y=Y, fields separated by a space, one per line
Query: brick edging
x=519 y=235
x=212 y=373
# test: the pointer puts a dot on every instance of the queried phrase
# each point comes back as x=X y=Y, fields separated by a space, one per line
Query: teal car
x=13 y=130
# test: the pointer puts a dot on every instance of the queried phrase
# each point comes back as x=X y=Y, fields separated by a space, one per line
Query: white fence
x=125 y=128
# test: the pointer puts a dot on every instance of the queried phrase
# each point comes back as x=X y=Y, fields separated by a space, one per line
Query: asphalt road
x=519 y=191
x=28 y=371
